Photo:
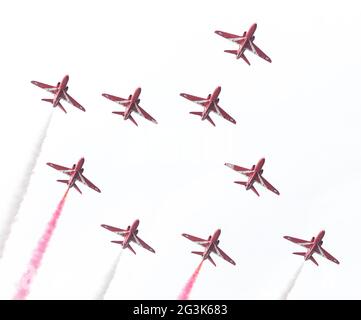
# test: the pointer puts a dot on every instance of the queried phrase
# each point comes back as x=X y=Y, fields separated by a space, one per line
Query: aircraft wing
x=266 y=184
x=141 y=243
x=119 y=100
x=223 y=255
x=44 y=86
x=224 y=114
x=87 y=182
x=257 y=51
x=245 y=171
x=202 y=101
x=119 y=231
x=321 y=251
x=144 y=114
x=200 y=241
x=303 y=243
x=65 y=170
x=73 y=102
x=230 y=36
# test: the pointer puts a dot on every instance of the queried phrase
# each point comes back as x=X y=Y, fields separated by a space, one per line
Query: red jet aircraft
x=76 y=174
x=210 y=245
x=131 y=104
x=60 y=92
x=210 y=104
x=313 y=246
x=254 y=175
x=244 y=42
x=130 y=234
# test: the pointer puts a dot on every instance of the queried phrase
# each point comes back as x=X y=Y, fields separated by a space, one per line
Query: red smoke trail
x=189 y=285
x=38 y=253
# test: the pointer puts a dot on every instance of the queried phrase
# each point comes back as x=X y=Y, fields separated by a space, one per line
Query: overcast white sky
x=301 y=112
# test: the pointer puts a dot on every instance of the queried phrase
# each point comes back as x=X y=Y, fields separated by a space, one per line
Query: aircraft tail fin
x=245 y=59
x=63 y=181
x=304 y=254
x=236 y=53
x=314 y=260
x=118 y=242
x=231 y=51
x=74 y=185
x=245 y=184
x=200 y=253
x=211 y=260
x=121 y=113
x=61 y=107
x=211 y=121
x=58 y=105
x=77 y=188
x=131 y=249
x=254 y=190
x=196 y=113
x=132 y=119
x=300 y=253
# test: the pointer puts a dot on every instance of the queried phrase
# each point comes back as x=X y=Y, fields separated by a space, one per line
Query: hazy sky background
x=301 y=112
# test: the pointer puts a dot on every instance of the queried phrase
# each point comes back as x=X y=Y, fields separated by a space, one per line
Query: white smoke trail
x=108 y=279
x=21 y=190
x=291 y=283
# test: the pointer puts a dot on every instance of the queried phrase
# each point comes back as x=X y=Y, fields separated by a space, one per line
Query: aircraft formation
x=210 y=104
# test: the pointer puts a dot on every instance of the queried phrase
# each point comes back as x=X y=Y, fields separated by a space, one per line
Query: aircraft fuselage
x=316 y=243
x=132 y=102
x=132 y=230
x=61 y=88
x=212 y=244
x=211 y=103
x=77 y=169
x=249 y=36
x=257 y=171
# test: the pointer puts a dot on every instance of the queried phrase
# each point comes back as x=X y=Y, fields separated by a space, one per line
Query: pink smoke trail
x=38 y=253
x=189 y=285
